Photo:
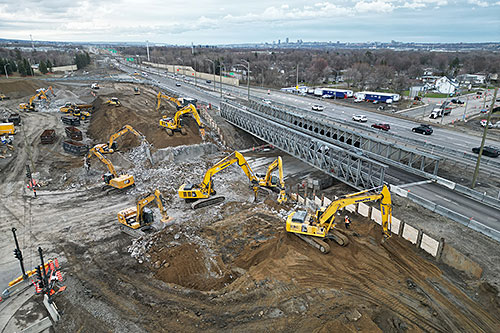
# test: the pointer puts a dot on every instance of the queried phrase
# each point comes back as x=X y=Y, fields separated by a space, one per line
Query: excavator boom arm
x=328 y=216
x=224 y=163
x=124 y=130
x=188 y=109
x=145 y=201
x=103 y=159
x=168 y=98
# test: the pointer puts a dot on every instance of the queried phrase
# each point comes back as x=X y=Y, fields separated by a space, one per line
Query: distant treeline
x=17 y=61
x=361 y=69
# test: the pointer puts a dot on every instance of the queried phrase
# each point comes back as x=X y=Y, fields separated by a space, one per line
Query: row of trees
x=363 y=69
x=82 y=60
x=17 y=60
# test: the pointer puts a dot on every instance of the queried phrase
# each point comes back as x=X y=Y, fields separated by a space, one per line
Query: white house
x=445 y=85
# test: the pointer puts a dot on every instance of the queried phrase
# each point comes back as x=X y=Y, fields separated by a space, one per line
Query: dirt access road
x=222 y=268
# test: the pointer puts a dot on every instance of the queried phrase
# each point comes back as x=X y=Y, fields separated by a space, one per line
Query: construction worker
x=347 y=222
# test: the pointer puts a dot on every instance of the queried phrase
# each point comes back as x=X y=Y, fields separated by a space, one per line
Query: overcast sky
x=233 y=21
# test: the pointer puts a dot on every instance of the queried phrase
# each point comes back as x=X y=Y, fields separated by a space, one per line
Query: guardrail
x=448 y=213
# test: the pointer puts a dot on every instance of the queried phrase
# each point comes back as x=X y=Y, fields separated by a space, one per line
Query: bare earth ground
x=222 y=268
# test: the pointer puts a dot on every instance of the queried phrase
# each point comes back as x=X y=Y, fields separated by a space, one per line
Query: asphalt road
x=436 y=193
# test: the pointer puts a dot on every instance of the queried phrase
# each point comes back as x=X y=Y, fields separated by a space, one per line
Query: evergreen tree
x=49 y=65
x=27 y=66
x=2 y=64
x=42 y=67
x=20 y=68
x=12 y=66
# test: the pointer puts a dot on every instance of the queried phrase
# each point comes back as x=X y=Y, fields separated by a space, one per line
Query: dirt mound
x=388 y=285
x=107 y=119
x=188 y=266
x=21 y=87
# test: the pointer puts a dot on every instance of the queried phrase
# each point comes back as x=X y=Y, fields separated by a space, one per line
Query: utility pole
x=297 y=85
x=19 y=255
x=476 y=170
x=466 y=103
x=147 y=48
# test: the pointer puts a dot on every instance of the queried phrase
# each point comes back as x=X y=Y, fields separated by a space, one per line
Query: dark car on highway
x=384 y=127
x=423 y=129
x=487 y=151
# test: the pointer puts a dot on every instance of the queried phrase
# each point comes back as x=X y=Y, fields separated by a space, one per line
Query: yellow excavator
x=30 y=106
x=272 y=182
x=137 y=91
x=315 y=229
x=111 y=178
x=68 y=107
x=161 y=95
x=113 y=101
x=202 y=194
x=139 y=218
x=110 y=147
x=175 y=124
x=179 y=102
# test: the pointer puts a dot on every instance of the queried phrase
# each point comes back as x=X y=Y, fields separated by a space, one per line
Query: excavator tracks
x=207 y=202
x=338 y=237
x=315 y=242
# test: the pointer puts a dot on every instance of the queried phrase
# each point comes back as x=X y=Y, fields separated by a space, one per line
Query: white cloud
x=377 y=6
x=478 y=3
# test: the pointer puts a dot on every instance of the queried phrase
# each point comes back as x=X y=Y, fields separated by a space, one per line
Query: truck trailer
x=377 y=96
x=337 y=93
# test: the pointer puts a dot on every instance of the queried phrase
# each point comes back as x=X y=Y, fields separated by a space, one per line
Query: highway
x=458 y=141
x=436 y=193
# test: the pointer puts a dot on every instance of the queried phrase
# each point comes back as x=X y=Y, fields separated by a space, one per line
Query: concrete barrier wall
x=429 y=245
x=410 y=234
x=376 y=216
x=188 y=71
x=326 y=201
x=351 y=208
x=364 y=209
x=300 y=200
x=395 y=225
x=317 y=201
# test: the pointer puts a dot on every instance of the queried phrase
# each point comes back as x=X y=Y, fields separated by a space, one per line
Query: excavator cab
x=138 y=219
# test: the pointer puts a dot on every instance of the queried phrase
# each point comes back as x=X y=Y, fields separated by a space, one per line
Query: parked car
x=266 y=101
x=317 y=107
x=360 y=118
x=484 y=111
x=483 y=123
x=177 y=84
x=487 y=151
x=457 y=101
x=209 y=81
x=375 y=102
x=423 y=129
x=384 y=127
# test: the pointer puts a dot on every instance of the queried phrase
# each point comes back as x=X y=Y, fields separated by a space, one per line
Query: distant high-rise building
x=279 y=41
x=286 y=40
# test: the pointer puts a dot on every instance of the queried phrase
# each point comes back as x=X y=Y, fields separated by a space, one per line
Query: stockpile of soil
x=15 y=88
x=365 y=285
x=108 y=119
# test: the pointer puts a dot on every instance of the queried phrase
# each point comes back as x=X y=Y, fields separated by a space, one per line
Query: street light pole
x=195 y=71
x=247 y=67
x=213 y=63
x=183 y=69
x=220 y=76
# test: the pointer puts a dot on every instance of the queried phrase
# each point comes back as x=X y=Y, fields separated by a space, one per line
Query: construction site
x=223 y=244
